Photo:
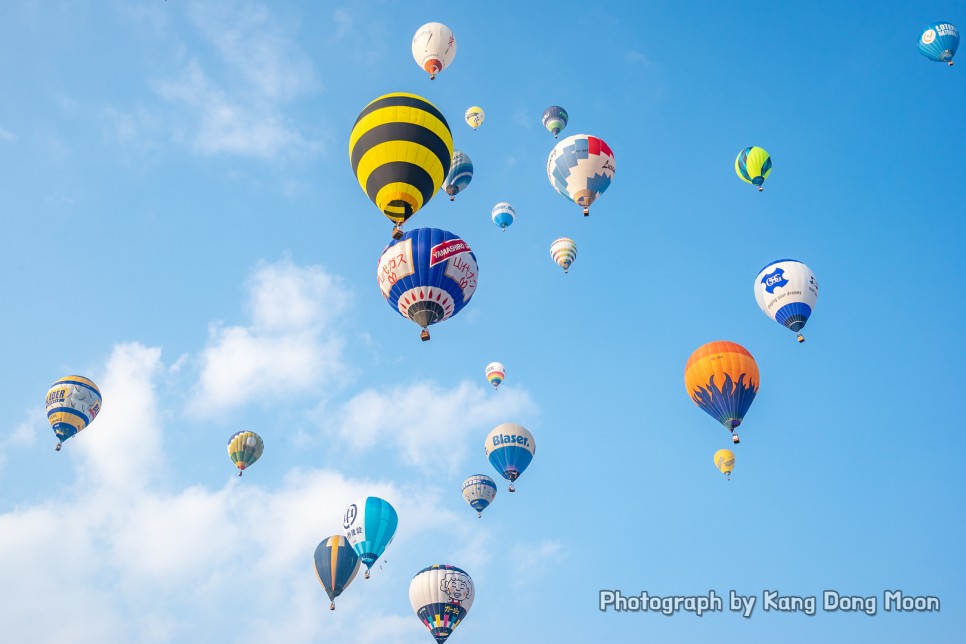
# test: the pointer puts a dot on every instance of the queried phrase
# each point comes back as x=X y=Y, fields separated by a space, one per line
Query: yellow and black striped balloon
x=400 y=149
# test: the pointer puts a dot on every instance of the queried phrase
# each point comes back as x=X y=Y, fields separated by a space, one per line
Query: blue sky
x=184 y=228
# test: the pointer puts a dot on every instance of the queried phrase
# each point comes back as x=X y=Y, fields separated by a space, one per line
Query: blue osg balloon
x=939 y=42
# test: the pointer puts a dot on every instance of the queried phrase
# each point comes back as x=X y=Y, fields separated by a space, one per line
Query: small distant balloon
x=939 y=42
x=460 y=174
x=495 y=373
x=503 y=215
x=434 y=47
x=474 y=116
x=555 y=119
x=73 y=403
x=479 y=491
x=244 y=448
x=724 y=460
x=564 y=252
x=753 y=165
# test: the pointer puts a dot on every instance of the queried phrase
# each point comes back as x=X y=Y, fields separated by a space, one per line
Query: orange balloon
x=722 y=379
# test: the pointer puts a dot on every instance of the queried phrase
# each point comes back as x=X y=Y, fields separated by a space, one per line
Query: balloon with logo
x=244 y=448
x=724 y=460
x=479 y=491
x=722 y=379
x=581 y=168
x=336 y=565
x=495 y=373
x=786 y=291
x=474 y=116
x=434 y=47
x=427 y=276
x=564 y=252
x=441 y=595
x=555 y=119
x=73 y=403
x=460 y=174
x=400 y=150
x=939 y=42
x=510 y=448
x=370 y=524
x=503 y=215
x=753 y=165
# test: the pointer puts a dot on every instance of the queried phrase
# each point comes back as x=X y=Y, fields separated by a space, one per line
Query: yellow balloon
x=474 y=116
x=724 y=460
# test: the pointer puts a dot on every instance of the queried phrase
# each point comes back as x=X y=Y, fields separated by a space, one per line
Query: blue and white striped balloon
x=786 y=291
x=503 y=215
x=479 y=491
x=510 y=448
x=460 y=174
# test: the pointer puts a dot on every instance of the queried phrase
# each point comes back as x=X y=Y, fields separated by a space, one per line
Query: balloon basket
x=512 y=489
x=57 y=449
x=452 y=198
x=761 y=189
x=734 y=439
x=801 y=338
x=332 y=606
x=479 y=515
x=239 y=473
x=397 y=233
x=586 y=211
x=424 y=335
x=367 y=574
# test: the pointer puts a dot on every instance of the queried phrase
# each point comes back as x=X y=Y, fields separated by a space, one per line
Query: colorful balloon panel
x=503 y=215
x=336 y=565
x=428 y=276
x=474 y=116
x=400 y=150
x=495 y=373
x=434 y=47
x=479 y=491
x=753 y=165
x=460 y=174
x=724 y=460
x=564 y=252
x=939 y=42
x=510 y=448
x=370 y=524
x=555 y=119
x=786 y=291
x=722 y=379
x=244 y=448
x=73 y=403
x=441 y=595
x=581 y=168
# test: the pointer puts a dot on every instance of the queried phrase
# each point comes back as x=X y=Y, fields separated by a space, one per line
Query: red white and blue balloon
x=581 y=167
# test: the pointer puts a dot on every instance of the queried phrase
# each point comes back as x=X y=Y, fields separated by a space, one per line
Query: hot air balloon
x=428 y=276
x=369 y=526
x=400 y=149
x=460 y=174
x=510 y=449
x=441 y=596
x=722 y=379
x=245 y=448
x=564 y=252
x=336 y=565
x=479 y=491
x=724 y=460
x=555 y=119
x=753 y=166
x=581 y=168
x=474 y=116
x=73 y=403
x=495 y=373
x=434 y=47
x=503 y=215
x=939 y=42
x=786 y=290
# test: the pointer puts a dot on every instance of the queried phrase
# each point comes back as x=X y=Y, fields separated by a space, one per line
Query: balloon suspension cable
x=424 y=335
x=57 y=449
x=801 y=338
x=332 y=606
x=367 y=574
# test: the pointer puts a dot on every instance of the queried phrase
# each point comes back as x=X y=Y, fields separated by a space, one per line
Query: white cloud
x=7 y=136
x=539 y=557
x=412 y=417
x=285 y=349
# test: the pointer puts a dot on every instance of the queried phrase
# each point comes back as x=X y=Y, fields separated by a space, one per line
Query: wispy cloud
x=7 y=136
x=634 y=57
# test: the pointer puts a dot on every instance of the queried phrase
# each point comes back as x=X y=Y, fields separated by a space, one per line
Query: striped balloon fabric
x=400 y=149
x=753 y=166
x=244 y=448
x=564 y=252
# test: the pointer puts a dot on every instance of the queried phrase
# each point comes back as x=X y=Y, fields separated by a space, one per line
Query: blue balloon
x=510 y=448
x=370 y=524
x=459 y=176
x=554 y=119
x=336 y=565
x=428 y=276
x=939 y=42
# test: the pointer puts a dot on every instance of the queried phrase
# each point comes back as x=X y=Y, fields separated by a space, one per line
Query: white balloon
x=441 y=595
x=434 y=47
x=786 y=291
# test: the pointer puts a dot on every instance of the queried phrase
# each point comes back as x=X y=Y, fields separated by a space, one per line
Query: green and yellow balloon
x=245 y=448
x=753 y=166
x=400 y=149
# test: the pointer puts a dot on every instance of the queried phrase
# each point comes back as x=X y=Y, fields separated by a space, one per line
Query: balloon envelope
x=479 y=491
x=503 y=214
x=722 y=379
x=336 y=565
x=434 y=47
x=400 y=150
x=564 y=252
x=786 y=291
x=939 y=42
x=724 y=460
x=474 y=116
x=460 y=174
x=369 y=525
x=581 y=168
x=428 y=276
x=495 y=373
x=510 y=448
x=73 y=403
x=441 y=595
x=244 y=448
x=555 y=119
x=753 y=165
